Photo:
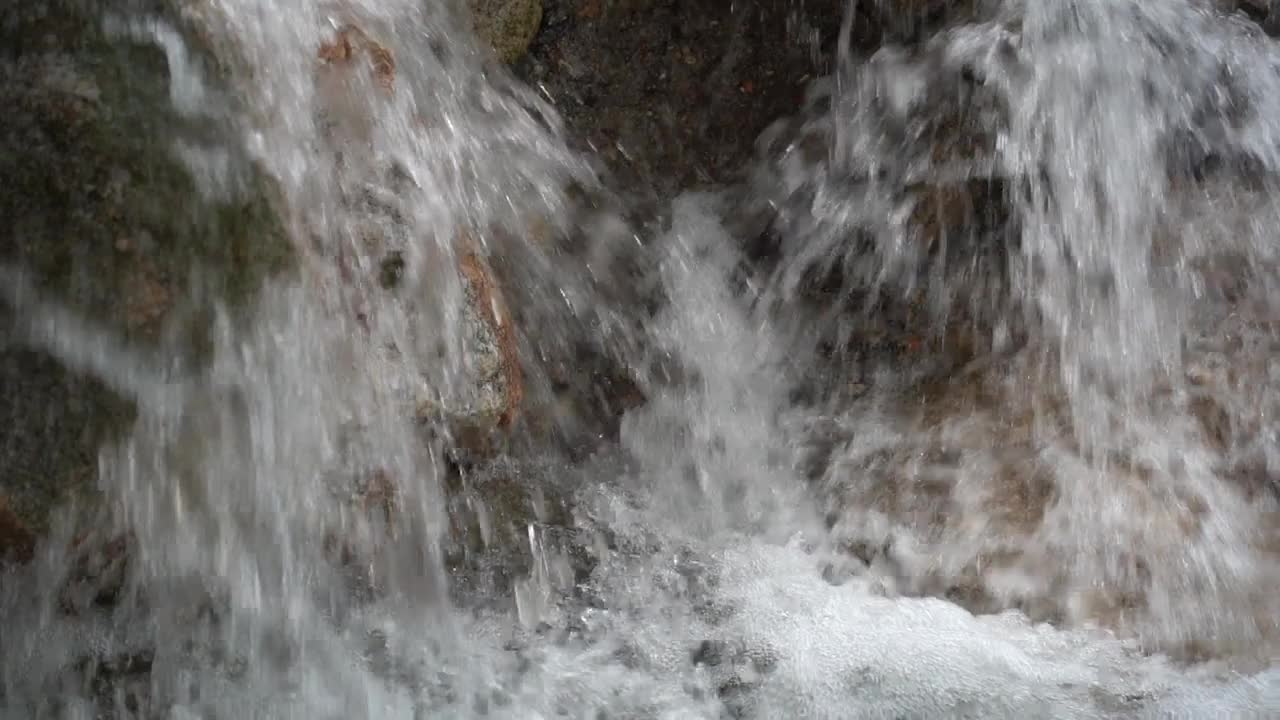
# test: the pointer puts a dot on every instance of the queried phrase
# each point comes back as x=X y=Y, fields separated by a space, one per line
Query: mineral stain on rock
x=497 y=385
x=502 y=382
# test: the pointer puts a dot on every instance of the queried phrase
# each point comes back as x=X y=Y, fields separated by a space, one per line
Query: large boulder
x=508 y=26
x=105 y=214
x=102 y=214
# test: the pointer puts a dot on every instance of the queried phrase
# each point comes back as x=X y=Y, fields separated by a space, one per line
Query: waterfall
x=956 y=404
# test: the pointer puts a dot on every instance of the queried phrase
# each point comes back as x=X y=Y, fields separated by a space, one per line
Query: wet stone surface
x=101 y=213
x=674 y=94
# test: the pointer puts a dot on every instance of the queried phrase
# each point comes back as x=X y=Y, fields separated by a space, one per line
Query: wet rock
x=52 y=422
x=508 y=26
x=352 y=45
x=709 y=653
x=506 y=518
x=649 y=85
x=1214 y=421
x=495 y=390
x=107 y=219
x=898 y=21
x=96 y=576
x=121 y=681
x=17 y=542
x=89 y=147
x=493 y=397
x=1264 y=12
x=500 y=385
x=976 y=510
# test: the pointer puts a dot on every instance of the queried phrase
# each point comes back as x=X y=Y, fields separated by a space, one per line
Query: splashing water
x=1069 y=523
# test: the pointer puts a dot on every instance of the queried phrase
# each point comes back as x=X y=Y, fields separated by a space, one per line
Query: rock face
x=107 y=220
x=17 y=542
x=1264 y=12
x=496 y=388
x=101 y=208
x=897 y=21
x=501 y=378
x=508 y=26
x=651 y=86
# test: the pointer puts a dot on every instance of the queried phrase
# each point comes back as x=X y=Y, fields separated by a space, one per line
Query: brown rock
x=17 y=543
x=148 y=300
x=352 y=41
x=371 y=522
x=499 y=387
x=1214 y=421
x=97 y=573
x=488 y=300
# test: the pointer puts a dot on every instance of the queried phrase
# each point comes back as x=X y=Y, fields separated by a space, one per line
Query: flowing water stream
x=1080 y=522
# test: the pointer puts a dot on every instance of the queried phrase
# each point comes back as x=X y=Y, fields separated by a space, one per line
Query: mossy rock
x=100 y=212
x=99 y=206
x=54 y=421
x=508 y=26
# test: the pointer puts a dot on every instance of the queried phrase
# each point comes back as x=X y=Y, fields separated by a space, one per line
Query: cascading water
x=1130 y=145
x=789 y=525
